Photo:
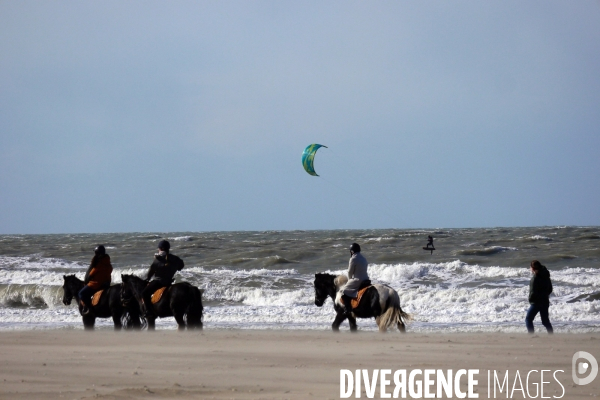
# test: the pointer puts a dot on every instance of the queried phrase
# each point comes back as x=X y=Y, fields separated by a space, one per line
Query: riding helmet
x=355 y=248
x=164 y=245
x=100 y=250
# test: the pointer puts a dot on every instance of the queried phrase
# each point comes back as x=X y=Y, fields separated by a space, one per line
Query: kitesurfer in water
x=357 y=276
x=429 y=242
x=97 y=277
x=160 y=274
x=540 y=287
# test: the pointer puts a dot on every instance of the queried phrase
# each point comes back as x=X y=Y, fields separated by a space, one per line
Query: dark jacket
x=540 y=287
x=99 y=273
x=164 y=268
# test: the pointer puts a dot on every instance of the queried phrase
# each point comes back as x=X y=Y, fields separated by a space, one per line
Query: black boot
x=86 y=308
x=347 y=305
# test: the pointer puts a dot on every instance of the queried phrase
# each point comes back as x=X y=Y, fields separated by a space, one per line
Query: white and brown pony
x=378 y=301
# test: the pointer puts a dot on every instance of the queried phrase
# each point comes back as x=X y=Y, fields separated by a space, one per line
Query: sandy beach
x=249 y=364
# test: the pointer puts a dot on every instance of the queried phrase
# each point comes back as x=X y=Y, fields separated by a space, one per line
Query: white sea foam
x=379 y=239
x=241 y=272
x=183 y=238
x=537 y=237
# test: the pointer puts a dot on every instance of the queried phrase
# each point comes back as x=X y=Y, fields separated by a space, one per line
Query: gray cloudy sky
x=192 y=116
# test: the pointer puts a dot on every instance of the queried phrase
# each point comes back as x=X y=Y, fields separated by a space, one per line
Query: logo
x=581 y=367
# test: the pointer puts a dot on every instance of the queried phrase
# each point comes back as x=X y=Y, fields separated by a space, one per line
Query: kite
x=308 y=158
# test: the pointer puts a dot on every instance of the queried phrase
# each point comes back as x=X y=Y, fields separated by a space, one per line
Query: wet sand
x=238 y=364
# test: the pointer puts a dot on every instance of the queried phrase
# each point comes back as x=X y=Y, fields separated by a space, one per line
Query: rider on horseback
x=97 y=277
x=357 y=276
x=161 y=272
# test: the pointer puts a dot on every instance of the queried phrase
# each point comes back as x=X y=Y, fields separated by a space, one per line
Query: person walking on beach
x=540 y=287
x=357 y=275
x=97 y=277
x=161 y=273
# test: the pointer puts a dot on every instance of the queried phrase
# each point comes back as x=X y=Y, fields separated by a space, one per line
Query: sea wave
x=488 y=251
x=535 y=238
x=183 y=238
x=587 y=237
x=36 y=262
x=34 y=296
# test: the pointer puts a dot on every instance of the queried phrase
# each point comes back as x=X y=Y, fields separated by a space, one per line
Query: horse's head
x=126 y=292
x=71 y=287
x=131 y=288
x=324 y=286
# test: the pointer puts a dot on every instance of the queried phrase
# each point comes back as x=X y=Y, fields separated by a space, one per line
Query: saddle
x=157 y=295
x=364 y=285
x=96 y=297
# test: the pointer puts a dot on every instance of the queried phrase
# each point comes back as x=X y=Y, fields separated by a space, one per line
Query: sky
x=152 y=116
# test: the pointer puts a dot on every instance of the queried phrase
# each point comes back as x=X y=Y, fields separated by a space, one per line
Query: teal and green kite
x=308 y=158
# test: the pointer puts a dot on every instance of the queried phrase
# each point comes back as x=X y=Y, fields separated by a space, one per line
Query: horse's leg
x=178 y=305
x=339 y=318
x=116 y=316
x=352 y=322
x=401 y=326
x=194 y=312
x=88 y=322
x=136 y=325
x=193 y=322
x=151 y=325
x=134 y=320
x=180 y=321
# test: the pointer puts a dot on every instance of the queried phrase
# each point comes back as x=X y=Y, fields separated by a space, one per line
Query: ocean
x=475 y=280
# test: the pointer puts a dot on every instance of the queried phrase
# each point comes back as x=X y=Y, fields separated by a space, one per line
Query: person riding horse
x=357 y=276
x=160 y=274
x=97 y=277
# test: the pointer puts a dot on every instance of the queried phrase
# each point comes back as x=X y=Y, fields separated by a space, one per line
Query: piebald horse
x=378 y=301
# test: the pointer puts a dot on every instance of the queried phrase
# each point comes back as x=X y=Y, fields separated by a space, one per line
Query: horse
x=180 y=300
x=109 y=305
x=378 y=301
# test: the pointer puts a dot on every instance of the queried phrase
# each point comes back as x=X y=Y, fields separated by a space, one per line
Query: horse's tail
x=195 y=308
x=393 y=315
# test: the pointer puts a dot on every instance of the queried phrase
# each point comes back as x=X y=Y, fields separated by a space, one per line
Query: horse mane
x=340 y=280
x=132 y=276
x=72 y=277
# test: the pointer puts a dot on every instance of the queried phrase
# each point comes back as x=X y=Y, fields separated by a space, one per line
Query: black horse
x=378 y=301
x=109 y=305
x=181 y=300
